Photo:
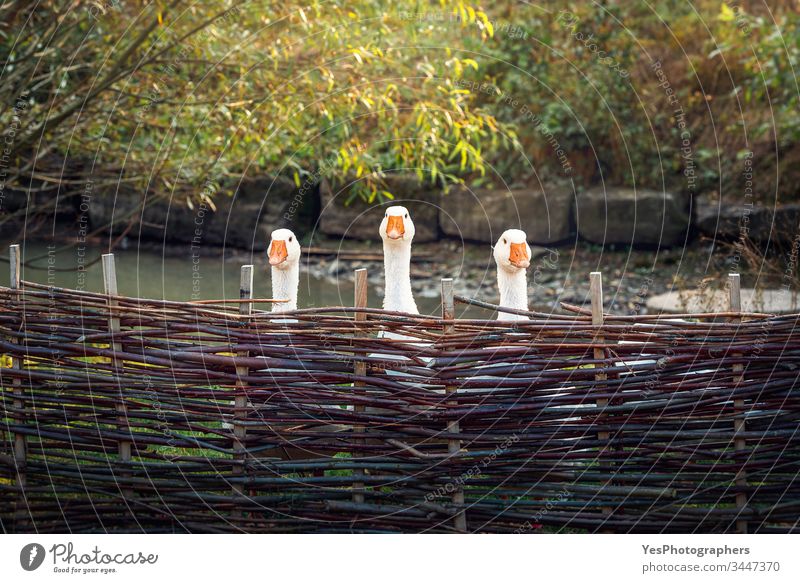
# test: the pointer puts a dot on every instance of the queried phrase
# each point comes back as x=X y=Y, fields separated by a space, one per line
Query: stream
x=183 y=275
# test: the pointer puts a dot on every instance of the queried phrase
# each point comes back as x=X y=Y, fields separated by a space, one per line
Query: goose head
x=512 y=253
x=396 y=228
x=284 y=249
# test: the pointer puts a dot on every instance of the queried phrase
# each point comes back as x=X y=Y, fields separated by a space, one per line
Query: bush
x=176 y=96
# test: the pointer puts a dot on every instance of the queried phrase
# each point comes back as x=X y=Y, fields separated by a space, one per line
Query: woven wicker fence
x=125 y=414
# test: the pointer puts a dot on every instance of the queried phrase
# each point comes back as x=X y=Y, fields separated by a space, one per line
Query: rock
x=335 y=268
x=18 y=210
x=120 y=203
x=243 y=219
x=716 y=219
x=12 y=200
x=787 y=223
x=482 y=215
x=359 y=220
x=728 y=221
x=627 y=216
x=258 y=207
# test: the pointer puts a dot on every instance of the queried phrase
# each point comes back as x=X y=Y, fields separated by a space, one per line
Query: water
x=178 y=275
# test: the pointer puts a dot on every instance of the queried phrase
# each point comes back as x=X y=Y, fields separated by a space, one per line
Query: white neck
x=285 y=281
x=513 y=287
x=397 y=270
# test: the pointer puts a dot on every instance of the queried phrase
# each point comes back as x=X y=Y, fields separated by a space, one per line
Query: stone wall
x=550 y=215
x=718 y=219
x=354 y=219
x=482 y=215
x=627 y=216
x=247 y=211
x=244 y=213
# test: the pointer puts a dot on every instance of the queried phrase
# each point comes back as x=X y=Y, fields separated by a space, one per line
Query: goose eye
x=406 y=215
x=505 y=242
x=290 y=239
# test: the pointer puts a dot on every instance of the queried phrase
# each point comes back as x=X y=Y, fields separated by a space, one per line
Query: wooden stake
x=360 y=369
x=240 y=405
x=453 y=445
x=596 y=293
x=735 y=297
x=110 y=287
x=20 y=439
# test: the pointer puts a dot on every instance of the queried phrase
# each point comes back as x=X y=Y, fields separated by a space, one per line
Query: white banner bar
x=400 y=558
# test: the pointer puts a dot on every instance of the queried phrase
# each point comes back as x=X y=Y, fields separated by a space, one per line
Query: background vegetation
x=173 y=97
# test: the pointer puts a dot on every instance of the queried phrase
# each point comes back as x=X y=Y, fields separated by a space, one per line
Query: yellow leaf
x=486 y=23
x=725 y=13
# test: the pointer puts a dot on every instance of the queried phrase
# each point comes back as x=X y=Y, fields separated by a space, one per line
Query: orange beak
x=519 y=255
x=395 y=229
x=277 y=252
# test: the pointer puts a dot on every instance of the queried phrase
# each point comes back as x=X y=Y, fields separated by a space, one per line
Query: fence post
x=359 y=369
x=240 y=404
x=735 y=298
x=596 y=294
x=110 y=286
x=453 y=445
x=17 y=363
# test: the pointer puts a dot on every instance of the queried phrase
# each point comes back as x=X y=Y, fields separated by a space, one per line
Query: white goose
x=397 y=231
x=284 y=255
x=284 y=259
x=512 y=255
